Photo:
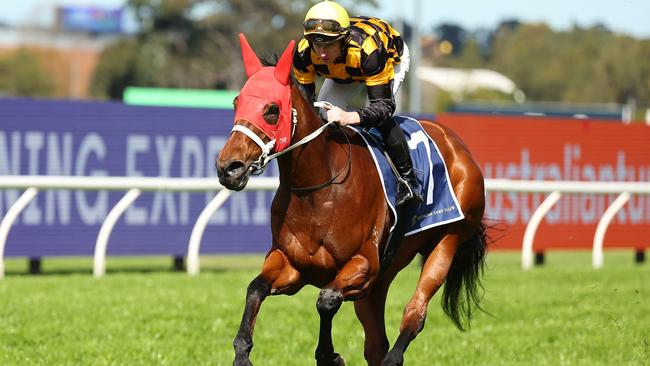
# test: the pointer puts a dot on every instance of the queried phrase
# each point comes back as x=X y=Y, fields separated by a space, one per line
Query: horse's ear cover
x=267 y=85
x=283 y=69
x=251 y=61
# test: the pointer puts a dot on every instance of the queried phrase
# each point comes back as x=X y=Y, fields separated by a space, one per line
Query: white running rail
x=99 y=259
x=134 y=185
x=531 y=228
x=193 y=266
x=598 y=260
x=9 y=218
x=556 y=188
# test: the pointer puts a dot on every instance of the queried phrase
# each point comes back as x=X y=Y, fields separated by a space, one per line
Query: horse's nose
x=232 y=170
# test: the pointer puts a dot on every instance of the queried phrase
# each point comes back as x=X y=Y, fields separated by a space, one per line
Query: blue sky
x=628 y=16
x=42 y=11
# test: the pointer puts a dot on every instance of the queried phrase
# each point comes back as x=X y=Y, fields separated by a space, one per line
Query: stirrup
x=406 y=194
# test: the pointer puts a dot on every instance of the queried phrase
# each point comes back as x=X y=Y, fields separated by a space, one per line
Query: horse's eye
x=271 y=114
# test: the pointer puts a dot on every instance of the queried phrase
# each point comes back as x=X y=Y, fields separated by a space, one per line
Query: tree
x=453 y=34
x=115 y=70
x=593 y=65
x=582 y=65
x=22 y=75
x=195 y=44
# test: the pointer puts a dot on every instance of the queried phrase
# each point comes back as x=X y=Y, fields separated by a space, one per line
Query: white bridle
x=265 y=158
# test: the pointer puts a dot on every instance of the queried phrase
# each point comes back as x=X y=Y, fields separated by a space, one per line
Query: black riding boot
x=398 y=150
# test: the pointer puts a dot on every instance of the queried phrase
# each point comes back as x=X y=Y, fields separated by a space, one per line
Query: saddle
x=439 y=206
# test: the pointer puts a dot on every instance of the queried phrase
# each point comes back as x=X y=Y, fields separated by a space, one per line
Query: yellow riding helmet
x=326 y=21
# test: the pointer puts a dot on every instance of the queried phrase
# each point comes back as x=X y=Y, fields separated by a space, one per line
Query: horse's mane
x=269 y=59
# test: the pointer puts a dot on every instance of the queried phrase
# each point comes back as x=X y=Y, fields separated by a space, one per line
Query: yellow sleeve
x=376 y=65
x=381 y=78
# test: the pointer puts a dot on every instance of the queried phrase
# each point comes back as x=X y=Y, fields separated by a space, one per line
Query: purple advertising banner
x=113 y=139
x=90 y=19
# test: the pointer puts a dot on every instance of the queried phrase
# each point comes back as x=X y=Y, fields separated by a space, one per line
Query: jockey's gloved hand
x=322 y=113
x=322 y=107
x=339 y=116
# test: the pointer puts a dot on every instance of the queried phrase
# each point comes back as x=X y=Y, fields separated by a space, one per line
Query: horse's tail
x=462 y=292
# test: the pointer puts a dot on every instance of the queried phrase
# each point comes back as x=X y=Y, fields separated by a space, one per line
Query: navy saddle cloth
x=440 y=205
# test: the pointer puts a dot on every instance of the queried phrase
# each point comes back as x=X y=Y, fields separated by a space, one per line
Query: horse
x=330 y=219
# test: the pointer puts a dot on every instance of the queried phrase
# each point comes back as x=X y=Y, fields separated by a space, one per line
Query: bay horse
x=330 y=219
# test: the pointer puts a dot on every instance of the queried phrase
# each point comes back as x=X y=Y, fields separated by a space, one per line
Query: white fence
x=135 y=185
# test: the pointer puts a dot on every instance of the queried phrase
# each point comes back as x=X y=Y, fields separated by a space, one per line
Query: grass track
x=141 y=313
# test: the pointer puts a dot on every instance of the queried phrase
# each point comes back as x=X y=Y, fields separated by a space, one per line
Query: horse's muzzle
x=233 y=174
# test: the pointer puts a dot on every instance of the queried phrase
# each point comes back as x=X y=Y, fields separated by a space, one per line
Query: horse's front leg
x=257 y=291
x=350 y=283
x=277 y=277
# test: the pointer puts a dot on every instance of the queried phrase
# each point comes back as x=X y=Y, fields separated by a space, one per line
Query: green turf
x=142 y=313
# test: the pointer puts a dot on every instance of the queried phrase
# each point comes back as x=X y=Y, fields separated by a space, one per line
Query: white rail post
x=8 y=221
x=99 y=261
x=531 y=228
x=597 y=258
x=193 y=265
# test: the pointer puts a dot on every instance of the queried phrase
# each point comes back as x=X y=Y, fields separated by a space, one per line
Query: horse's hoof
x=392 y=360
x=245 y=362
x=336 y=360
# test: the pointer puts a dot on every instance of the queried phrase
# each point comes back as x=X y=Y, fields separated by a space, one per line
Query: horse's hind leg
x=349 y=284
x=432 y=277
x=277 y=277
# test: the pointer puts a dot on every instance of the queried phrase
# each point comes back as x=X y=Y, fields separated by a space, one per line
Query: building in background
x=69 y=47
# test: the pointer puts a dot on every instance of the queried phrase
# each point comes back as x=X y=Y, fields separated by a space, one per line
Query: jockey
x=350 y=53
